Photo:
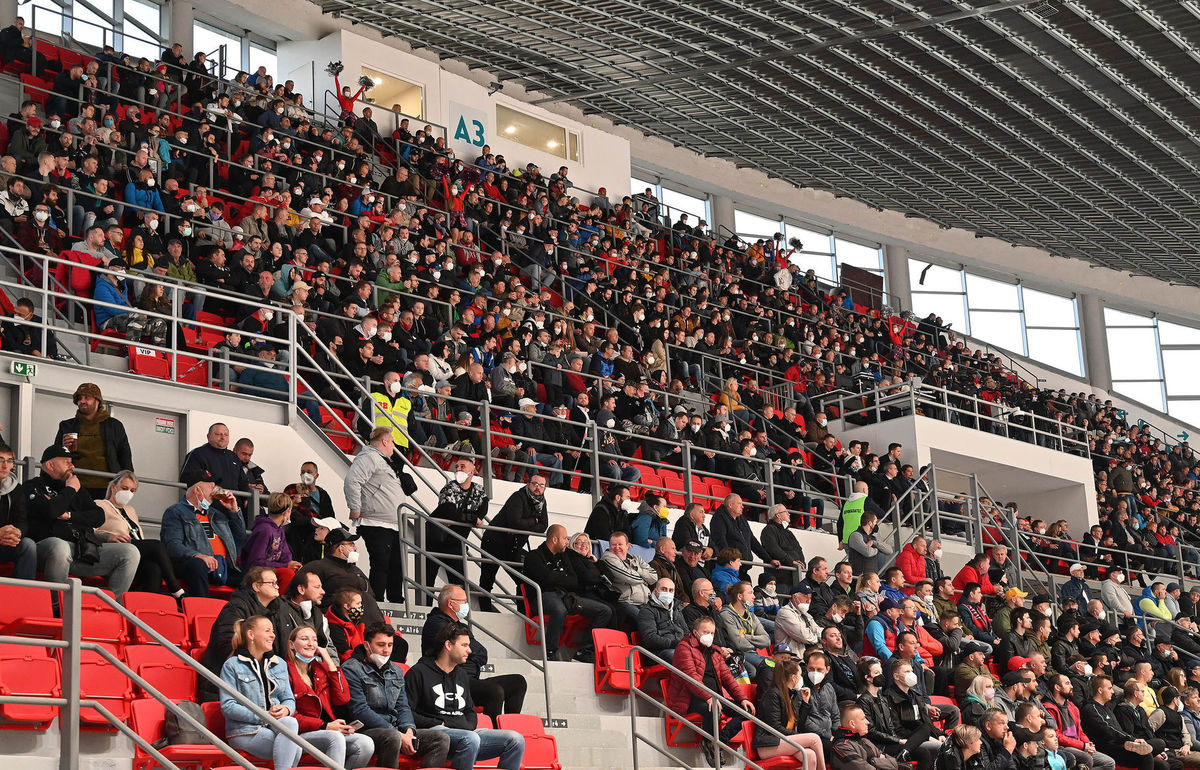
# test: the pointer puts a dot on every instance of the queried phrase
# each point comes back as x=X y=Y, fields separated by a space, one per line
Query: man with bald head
x=660 y=621
x=549 y=567
x=730 y=529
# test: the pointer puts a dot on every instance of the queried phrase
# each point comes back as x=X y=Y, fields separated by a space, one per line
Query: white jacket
x=798 y=629
x=373 y=488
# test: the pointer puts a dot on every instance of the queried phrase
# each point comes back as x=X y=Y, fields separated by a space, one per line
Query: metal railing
x=72 y=700
x=718 y=703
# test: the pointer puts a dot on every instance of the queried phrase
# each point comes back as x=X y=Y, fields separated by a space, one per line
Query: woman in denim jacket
x=262 y=676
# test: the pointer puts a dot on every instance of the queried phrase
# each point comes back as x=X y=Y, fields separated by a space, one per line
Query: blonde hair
x=116 y=482
x=864 y=578
x=278 y=502
x=241 y=627
x=978 y=685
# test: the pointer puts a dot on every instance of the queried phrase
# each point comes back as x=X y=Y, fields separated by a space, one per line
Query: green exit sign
x=23 y=369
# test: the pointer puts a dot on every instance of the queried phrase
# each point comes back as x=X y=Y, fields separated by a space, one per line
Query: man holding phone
x=379 y=704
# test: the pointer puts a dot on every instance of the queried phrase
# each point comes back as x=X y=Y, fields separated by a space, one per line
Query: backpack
x=176 y=730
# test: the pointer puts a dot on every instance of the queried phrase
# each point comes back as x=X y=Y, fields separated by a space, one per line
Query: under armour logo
x=449 y=701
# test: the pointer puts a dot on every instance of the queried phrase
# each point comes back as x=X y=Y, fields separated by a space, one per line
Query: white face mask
x=1103 y=614
x=368 y=332
x=395 y=387
x=706 y=640
x=803 y=607
x=937 y=553
x=816 y=677
x=836 y=618
x=650 y=360
x=307 y=479
x=460 y=477
x=267 y=316
x=41 y=216
x=753 y=451
x=665 y=600
x=462 y=612
x=306 y=607
x=123 y=497
x=153 y=223
x=1120 y=577
x=352 y=557
x=910 y=679
x=150 y=182
x=379 y=660
x=1087 y=669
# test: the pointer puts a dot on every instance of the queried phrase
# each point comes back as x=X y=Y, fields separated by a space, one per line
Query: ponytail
x=243 y=625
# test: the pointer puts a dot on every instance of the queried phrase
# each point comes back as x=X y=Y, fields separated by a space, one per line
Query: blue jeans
x=610 y=469
x=23 y=556
x=118 y=562
x=348 y=751
x=553 y=462
x=268 y=743
x=467 y=746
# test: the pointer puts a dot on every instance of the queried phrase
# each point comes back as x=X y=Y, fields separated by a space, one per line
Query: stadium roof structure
x=1068 y=125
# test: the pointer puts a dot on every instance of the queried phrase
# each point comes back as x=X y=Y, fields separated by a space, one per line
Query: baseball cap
x=339 y=536
x=1015 y=593
x=889 y=604
x=1076 y=566
x=328 y=522
x=52 y=452
x=802 y=588
x=526 y=402
x=692 y=545
x=1014 y=677
x=781 y=647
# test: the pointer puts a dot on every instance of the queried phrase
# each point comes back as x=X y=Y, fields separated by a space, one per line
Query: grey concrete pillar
x=8 y=12
x=722 y=212
x=895 y=270
x=180 y=17
x=1095 y=341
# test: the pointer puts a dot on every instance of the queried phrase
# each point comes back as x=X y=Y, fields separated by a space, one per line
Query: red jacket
x=343 y=632
x=969 y=574
x=314 y=704
x=911 y=563
x=1073 y=712
x=689 y=658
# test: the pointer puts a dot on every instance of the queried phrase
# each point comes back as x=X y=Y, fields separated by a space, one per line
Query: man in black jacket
x=98 y=437
x=462 y=504
x=339 y=571
x=1133 y=720
x=660 y=621
x=609 y=515
x=497 y=694
x=688 y=568
x=301 y=606
x=730 y=529
x=216 y=462
x=549 y=566
x=439 y=695
x=782 y=546
x=63 y=520
x=690 y=528
x=1102 y=726
x=15 y=547
x=524 y=510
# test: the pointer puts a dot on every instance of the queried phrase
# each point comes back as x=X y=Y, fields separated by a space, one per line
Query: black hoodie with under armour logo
x=440 y=698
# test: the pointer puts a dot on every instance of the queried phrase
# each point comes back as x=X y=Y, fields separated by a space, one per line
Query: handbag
x=87 y=545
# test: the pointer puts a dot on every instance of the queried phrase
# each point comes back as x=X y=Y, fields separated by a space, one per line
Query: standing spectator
x=96 y=436
x=730 y=529
x=121 y=525
x=262 y=676
x=524 y=510
x=319 y=685
x=63 y=520
x=630 y=575
x=198 y=533
x=496 y=695
x=309 y=503
x=703 y=664
x=268 y=546
x=379 y=699
x=440 y=696
x=16 y=547
x=864 y=550
x=374 y=494
x=553 y=570
x=462 y=504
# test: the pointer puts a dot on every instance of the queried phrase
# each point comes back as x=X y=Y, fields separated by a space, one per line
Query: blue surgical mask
x=305 y=658
x=462 y=611
x=204 y=504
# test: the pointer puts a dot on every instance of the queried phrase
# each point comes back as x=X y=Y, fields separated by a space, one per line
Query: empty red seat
x=101 y=681
x=163 y=670
x=147 y=719
x=541 y=750
x=28 y=612
x=101 y=622
x=160 y=612
x=149 y=362
x=201 y=612
x=29 y=671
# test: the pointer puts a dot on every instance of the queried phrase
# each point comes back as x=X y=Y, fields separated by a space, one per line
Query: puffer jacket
x=372 y=487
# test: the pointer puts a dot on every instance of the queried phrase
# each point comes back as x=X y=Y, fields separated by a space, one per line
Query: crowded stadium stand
x=332 y=435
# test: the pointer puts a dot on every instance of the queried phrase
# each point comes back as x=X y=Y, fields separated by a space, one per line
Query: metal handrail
x=72 y=628
x=718 y=701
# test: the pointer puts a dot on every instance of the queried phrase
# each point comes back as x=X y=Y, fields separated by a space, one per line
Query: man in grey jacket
x=1115 y=598
x=630 y=575
x=864 y=550
x=373 y=495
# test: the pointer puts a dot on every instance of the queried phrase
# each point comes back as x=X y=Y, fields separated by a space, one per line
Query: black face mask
x=879 y=681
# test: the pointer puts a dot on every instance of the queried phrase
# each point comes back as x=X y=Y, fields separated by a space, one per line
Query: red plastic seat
x=147 y=718
x=160 y=612
x=201 y=612
x=149 y=362
x=573 y=628
x=101 y=681
x=29 y=671
x=541 y=750
x=28 y=612
x=678 y=733
x=102 y=623
x=163 y=670
x=611 y=673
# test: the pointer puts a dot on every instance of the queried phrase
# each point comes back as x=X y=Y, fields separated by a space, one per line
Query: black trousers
x=438 y=542
x=155 y=568
x=499 y=694
x=387 y=566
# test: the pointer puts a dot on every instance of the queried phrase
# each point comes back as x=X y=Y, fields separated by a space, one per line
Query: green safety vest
x=852 y=513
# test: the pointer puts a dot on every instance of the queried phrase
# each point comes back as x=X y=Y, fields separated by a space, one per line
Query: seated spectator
x=258 y=595
x=783 y=707
x=742 y=627
x=911 y=712
x=853 y=750
x=22 y=335
x=688 y=568
x=728 y=569
x=766 y=599
x=976 y=571
x=496 y=695
x=974 y=615
x=553 y=570
x=1136 y=723
x=794 y=625
x=339 y=570
x=268 y=546
x=1110 y=735
x=440 y=697
x=660 y=621
x=63 y=520
x=730 y=529
x=198 y=533
x=912 y=560
x=378 y=698
x=318 y=685
x=262 y=676
x=608 y=515
x=782 y=546
x=15 y=547
x=121 y=525
x=630 y=575
x=703 y=664
x=664 y=560
x=963 y=749
x=883 y=729
x=893 y=584
x=346 y=625
x=648 y=525
x=300 y=605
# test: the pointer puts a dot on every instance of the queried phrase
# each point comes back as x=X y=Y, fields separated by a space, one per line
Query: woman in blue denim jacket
x=262 y=676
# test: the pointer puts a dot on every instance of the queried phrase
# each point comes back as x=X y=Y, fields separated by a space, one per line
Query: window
x=261 y=56
x=1134 y=357
x=137 y=42
x=42 y=15
x=539 y=134
x=88 y=27
x=820 y=250
x=751 y=227
x=1026 y=321
x=210 y=40
x=682 y=203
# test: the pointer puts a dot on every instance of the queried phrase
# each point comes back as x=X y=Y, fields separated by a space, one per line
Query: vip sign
x=469 y=125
